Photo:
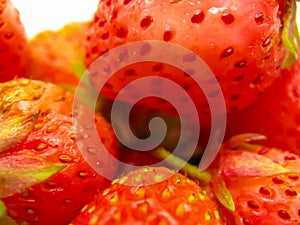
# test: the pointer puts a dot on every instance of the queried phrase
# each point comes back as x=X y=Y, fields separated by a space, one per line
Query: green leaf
x=290 y=34
x=18 y=172
x=3 y=209
x=15 y=129
x=79 y=69
x=84 y=90
x=222 y=193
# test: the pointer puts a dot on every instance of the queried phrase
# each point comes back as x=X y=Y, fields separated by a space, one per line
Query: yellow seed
x=142 y=210
x=45 y=112
x=146 y=169
x=123 y=180
x=41 y=147
x=92 y=209
x=38 y=126
x=65 y=158
x=201 y=196
x=51 y=128
x=207 y=216
x=217 y=214
x=61 y=98
x=83 y=174
x=138 y=178
x=140 y=192
x=37 y=95
x=30 y=211
x=84 y=208
x=178 y=180
x=115 y=181
x=92 y=151
x=24 y=82
x=192 y=198
x=166 y=193
x=106 y=191
x=117 y=217
x=180 y=210
x=114 y=199
x=158 y=178
x=94 y=220
x=72 y=136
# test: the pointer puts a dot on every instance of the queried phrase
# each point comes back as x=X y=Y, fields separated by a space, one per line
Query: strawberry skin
x=13 y=43
x=154 y=195
x=264 y=184
x=57 y=199
x=52 y=53
x=265 y=200
x=276 y=114
x=243 y=63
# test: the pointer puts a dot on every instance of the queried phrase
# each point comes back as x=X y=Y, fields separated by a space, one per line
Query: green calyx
x=84 y=91
x=240 y=140
x=290 y=33
x=222 y=194
x=16 y=129
x=18 y=173
x=3 y=209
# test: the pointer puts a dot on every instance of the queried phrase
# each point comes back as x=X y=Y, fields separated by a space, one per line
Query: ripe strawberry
x=53 y=54
x=276 y=114
x=13 y=43
x=138 y=158
x=51 y=140
x=265 y=190
x=154 y=195
x=244 y=63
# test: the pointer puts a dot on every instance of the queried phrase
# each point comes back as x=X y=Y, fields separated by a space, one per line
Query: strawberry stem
x=203 y=176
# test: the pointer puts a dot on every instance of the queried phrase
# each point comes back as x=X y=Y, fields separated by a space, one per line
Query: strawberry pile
x=62 y=159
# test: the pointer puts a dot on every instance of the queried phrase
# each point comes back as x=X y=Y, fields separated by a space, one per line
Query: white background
x=39 y=15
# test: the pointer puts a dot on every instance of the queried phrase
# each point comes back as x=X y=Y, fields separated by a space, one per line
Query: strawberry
x=244 y=63
x=264 y=187
x=13 y=43
x=276 y=114
x=54 y=53
x=138 y=158
x=45 y=113
x=154 y=195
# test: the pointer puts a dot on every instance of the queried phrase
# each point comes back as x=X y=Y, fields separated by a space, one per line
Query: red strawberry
x=13 y=43
x=53 y=54
x=244 y=63
x=51 y=140
x=264 y=191
x=138 y=158
x=154 y=195
x=276 y=114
